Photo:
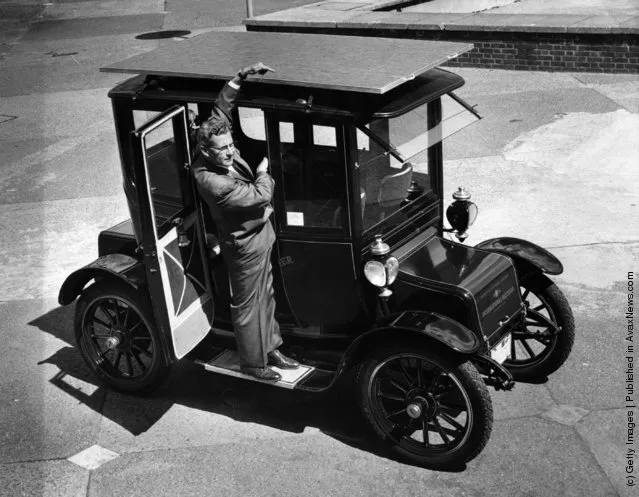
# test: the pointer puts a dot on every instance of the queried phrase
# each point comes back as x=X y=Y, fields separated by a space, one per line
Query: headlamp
x=461 y=214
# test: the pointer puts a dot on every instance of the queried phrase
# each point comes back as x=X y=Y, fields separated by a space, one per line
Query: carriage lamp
x=461 y=214
x=382 y=270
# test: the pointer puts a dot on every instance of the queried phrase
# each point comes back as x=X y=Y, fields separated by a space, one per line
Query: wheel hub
x=112 y=342
x=421 y=405
x=118 y=339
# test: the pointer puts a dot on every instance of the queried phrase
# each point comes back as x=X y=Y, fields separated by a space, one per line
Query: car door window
x=313 y=173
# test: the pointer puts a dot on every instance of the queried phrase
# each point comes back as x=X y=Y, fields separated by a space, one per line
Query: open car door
x=172 y=239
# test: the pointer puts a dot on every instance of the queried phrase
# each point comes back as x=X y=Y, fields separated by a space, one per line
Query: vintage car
x=372 y=287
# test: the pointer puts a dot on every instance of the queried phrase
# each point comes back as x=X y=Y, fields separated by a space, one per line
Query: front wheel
x=544 y=340
x=117 y=338
x=432 y=408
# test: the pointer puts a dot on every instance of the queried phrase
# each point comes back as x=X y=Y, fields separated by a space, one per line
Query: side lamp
x=381 y=270
x=461 y=214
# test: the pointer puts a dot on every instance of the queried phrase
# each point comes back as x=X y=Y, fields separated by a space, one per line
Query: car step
x=228 y=363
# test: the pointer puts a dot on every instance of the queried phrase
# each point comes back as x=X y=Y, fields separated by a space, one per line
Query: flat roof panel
x=352 y=63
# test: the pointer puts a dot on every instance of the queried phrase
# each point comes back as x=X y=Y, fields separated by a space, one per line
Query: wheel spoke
x=524 y=343
x=100 y=322
x=425 y=430
x=116 y=310
x=537 y=319
x=434 y=381
x=450 y=420
x=441 y=431
x=126 y=317
x=539 y=307
x=116 y=363
x=129 y=365
x=513 y=349
x=543 y=338
x=142 y=351
x=395 y=384
x=140 y=362
x=420 y=374
x=525 y=294
x=405 y=373
x=107 y=314
x=395 y=413
x=390 y=397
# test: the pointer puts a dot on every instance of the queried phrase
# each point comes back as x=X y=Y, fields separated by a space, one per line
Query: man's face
x=222 y=149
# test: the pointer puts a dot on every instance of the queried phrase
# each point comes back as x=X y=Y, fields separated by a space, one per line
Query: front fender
x=524 y=253
x=120 y=266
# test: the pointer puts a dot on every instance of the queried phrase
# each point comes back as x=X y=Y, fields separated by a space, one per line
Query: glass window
x=314 y=176
x=252 y=123
x=164 y=164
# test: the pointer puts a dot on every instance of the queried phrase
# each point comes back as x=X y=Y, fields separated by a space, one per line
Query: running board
x=228 y=363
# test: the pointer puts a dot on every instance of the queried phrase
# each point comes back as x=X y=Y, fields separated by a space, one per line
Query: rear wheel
x=117 y=338
x=544 y=341
x=432 y=408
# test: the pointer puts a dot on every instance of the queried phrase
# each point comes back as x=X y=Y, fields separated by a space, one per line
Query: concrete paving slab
x=503 y=469
x=534 y=457
x=604 y=432
x=305 y=17
x=39 y=418
x=590 y=7
x=339 y=5
x=375 y=20
x=55 y=239
x=108 y=8
x=525 y=400
x=220 y=410
x=592 y=378
x=511 y=22
x=509 y=116
x=463 y=6
x=43 y=478
x=58 y=167
x=88 y=27
x=55 y=115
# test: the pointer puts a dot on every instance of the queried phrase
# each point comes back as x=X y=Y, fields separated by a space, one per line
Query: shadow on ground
x=333 y=412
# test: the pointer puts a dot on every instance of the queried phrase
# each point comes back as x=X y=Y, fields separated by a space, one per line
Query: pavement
x=555 y=161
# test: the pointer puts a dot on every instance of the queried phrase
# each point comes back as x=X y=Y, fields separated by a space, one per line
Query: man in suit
x=240 y=204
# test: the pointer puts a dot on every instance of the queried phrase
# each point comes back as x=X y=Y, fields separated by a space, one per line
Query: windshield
x=393 y=159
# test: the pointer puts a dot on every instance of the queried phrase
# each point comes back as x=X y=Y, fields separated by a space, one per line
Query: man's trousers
x=253 y=310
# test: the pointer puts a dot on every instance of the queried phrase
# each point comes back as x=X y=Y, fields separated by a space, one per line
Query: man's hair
x=212 y=126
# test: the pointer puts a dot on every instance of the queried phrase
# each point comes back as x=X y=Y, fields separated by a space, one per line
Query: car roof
x=350 y=64
x=361 y=107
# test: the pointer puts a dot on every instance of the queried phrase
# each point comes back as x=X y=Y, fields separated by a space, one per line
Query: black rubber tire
x=553 y=355
x=145 y=365
x=479 y=420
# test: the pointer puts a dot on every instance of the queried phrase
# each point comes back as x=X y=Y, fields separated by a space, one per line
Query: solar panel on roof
x=354 y=63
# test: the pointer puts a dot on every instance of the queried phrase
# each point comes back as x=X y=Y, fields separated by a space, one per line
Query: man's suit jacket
x=239 y=200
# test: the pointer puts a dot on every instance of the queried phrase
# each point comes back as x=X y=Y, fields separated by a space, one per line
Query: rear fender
x=526 y=255
x=119 y=266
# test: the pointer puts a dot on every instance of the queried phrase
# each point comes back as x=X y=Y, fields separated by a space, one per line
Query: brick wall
x=598 y=52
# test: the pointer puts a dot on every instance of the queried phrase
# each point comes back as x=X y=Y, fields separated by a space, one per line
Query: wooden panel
x=370 y=65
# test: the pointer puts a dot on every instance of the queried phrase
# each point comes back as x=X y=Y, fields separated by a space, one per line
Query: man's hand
x=263 y=167
x=258 y=68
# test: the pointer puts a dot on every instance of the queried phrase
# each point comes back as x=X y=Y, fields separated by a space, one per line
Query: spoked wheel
x=431 y=409
x=117 y=339
x=544 y=341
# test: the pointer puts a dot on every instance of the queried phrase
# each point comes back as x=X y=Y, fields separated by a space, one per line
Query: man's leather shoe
x=276 y=358
x=261 y=373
